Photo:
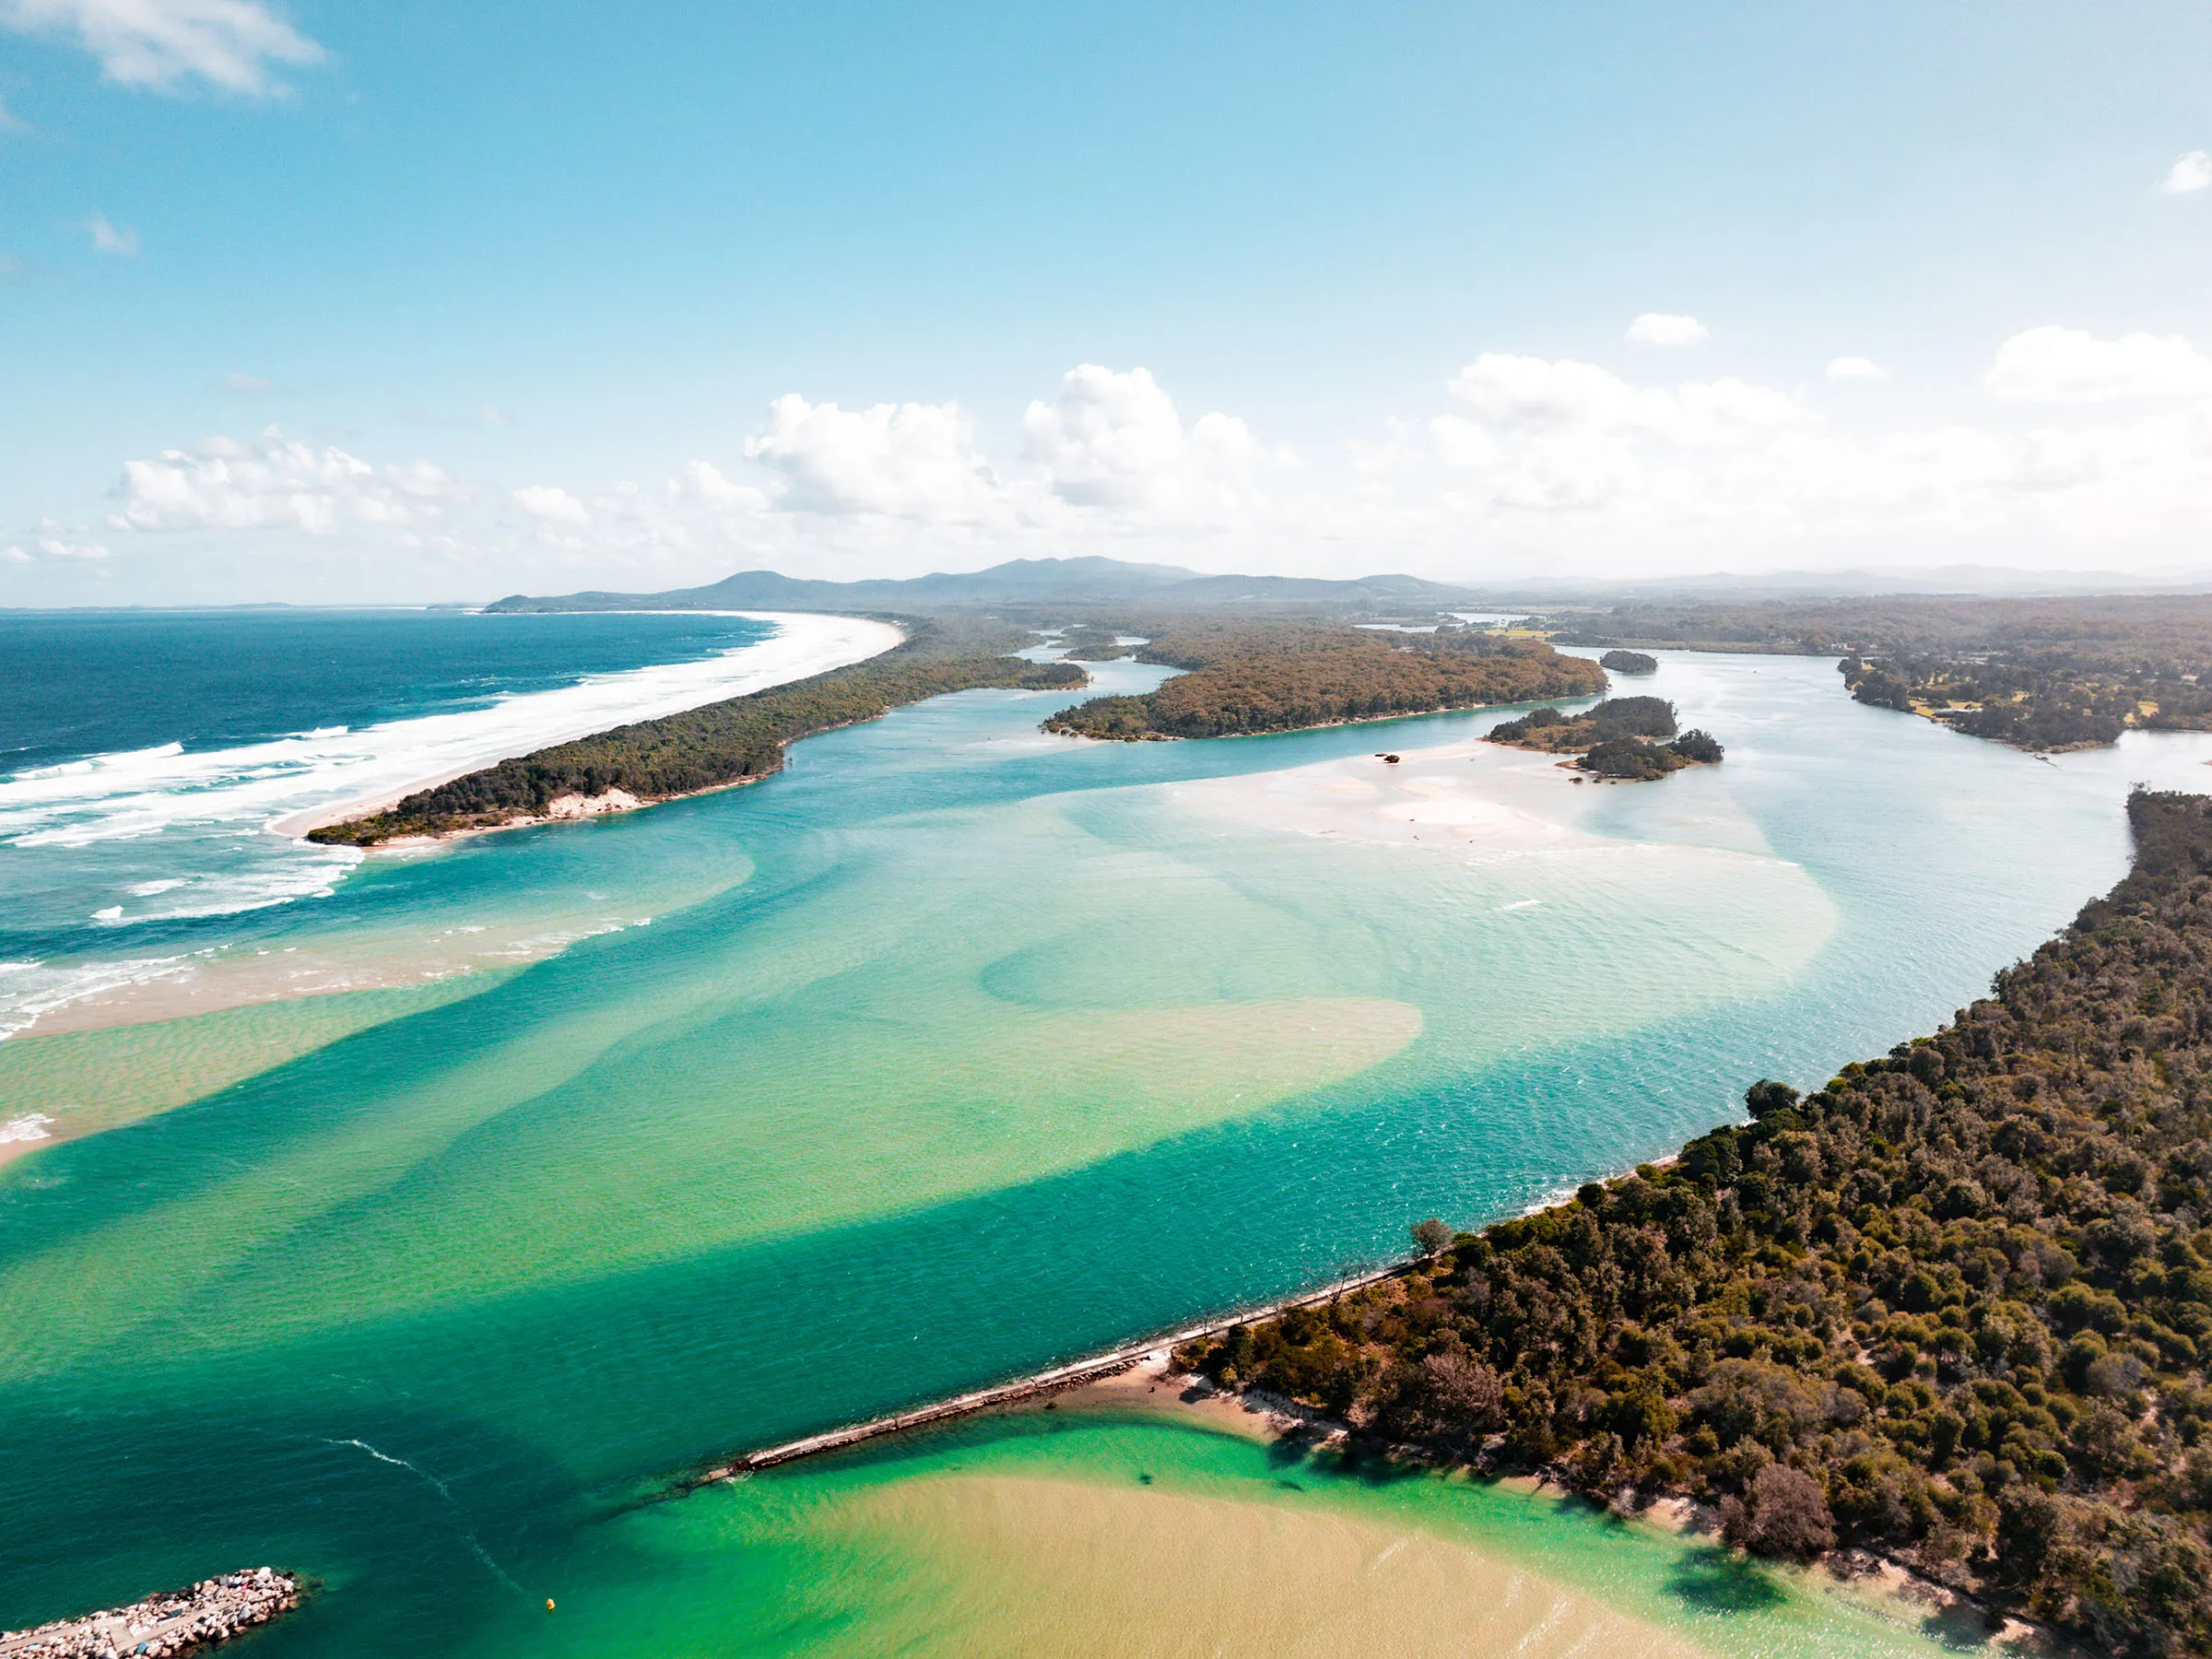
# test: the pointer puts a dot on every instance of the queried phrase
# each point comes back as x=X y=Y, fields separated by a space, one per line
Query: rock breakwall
x=164 y=1625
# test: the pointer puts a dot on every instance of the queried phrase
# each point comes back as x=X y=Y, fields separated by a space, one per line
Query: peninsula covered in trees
x=2038 y=674
x=1244 y=676
x=1955 y=1306
x=724 y=743
x=1614 y=738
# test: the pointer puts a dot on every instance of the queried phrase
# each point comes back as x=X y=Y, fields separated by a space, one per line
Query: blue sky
x=426 y=302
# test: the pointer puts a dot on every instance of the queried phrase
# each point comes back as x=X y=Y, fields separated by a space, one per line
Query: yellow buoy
x=548 y=1604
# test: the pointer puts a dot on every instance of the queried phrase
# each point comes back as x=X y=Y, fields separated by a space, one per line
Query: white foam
x=142 y=793
x=34 y=989
x=31 y=1127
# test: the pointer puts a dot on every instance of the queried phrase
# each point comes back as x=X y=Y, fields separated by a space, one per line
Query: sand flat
x=1467 y=797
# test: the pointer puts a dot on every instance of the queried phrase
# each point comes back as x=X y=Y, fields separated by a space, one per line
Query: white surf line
x=806 y=643
x=288 y=783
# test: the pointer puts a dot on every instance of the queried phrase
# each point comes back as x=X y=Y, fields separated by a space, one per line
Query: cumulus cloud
x=1547 y=435
x=1567 y=456
x=54 y=540
x=2069 y=365
x=110 y=238
x=274 y=482
x=703 y=481
x=2189 y=174
x=912 y=459
x=1116 y=441
x=1855 y=368
x=169 y=44
x=552 y=503
x=1664 y=328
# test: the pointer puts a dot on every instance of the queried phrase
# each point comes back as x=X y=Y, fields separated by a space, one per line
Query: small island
x=1246 y=677
x=2040 y=674
x=1613 y=739
x=1627 y=662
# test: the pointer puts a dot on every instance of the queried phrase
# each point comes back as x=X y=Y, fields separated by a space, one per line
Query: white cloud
x=910 y=460
x=1855 y=368
x=2189 y=174
x=247 y=386
x=1566 y=459
x=276 y=482
x=9 y=120
x=1116 y=441
x=1664 y=328
x=552 y=503
x=1540 y=435
x=704 y=481
x=164 y=44
x=56 y=547
x=54 y=540
x=108 y=238
x=2068 y=365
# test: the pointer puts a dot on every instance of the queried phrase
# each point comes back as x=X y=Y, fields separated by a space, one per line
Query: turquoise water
x=963 y=1051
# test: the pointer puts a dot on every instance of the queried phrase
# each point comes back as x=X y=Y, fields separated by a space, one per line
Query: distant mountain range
x=1095 y=581
x=1021 y=581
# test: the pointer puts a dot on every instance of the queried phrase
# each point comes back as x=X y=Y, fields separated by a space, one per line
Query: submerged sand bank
x=1885 y=1586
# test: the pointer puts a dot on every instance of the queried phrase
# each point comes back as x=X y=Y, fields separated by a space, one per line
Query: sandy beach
x=1475 y=795
x=1155 y=1385
x=806 y=644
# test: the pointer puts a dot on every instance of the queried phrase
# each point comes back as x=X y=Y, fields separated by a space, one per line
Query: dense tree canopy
x=1243 y=676
x=2039 y=673
x=701 y=749
x=1612 y=738
x=1955 y=1305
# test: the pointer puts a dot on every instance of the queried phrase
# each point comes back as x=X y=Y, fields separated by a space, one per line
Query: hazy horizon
x=426 y=306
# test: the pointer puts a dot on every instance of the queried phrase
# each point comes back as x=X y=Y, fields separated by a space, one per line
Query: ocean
x=144 y=756
x=950 y=1053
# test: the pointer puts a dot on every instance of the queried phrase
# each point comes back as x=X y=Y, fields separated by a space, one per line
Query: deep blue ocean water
x=940 y=1072
x=80 y=683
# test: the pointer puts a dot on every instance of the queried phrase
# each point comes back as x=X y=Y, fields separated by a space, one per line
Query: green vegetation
x=1245 y=676
x=1611 y=738
x=2039 y=673
x=2029 y=706
x=1627 y=662
x=1955 y=1307
x=1087 y=642
x=723 y=742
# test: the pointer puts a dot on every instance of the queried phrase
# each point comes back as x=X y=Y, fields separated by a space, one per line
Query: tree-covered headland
x=2038 y=674
x=1242 y=676
x=1954 y=1306
x=1613 y=738
x=730 y=742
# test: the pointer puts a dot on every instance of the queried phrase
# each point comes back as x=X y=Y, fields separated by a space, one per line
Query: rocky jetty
x=164 y=1625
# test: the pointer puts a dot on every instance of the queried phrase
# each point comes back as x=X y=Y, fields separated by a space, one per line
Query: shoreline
x=879 y=638
x=1037 y=1385
x=615 y=803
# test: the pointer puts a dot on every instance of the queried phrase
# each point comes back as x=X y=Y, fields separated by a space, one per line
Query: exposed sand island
x=1471 y=796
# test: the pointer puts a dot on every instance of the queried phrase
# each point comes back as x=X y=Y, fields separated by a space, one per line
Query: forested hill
x=1245 y=676
x=1955 y=1306
x=723 y=742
